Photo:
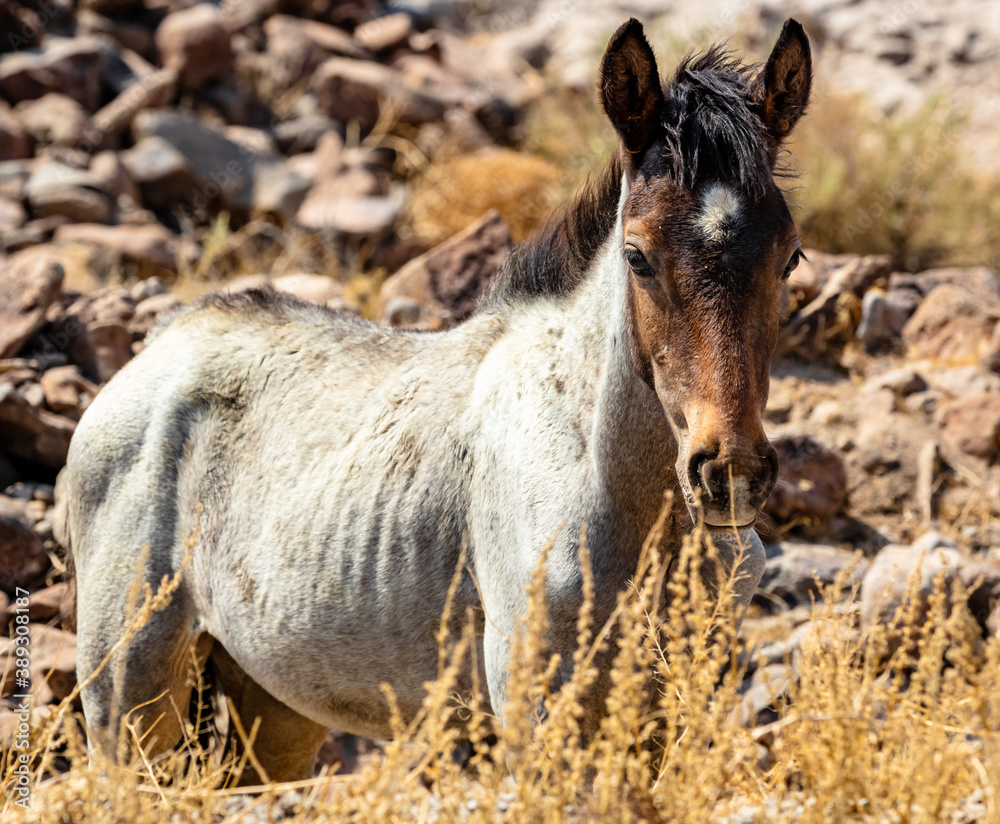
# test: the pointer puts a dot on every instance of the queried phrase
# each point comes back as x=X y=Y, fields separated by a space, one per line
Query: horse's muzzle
x=733 y=487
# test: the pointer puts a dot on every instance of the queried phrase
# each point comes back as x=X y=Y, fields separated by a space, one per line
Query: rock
x=356 y=90
x=447 y=281
x=162 y=173
x=991 y=356
x=22 y=29
x=400 y=311
x=886 y=581
x=12 y=216
x=196 y=44
x=74 y=202
x=296 y=47
x=53 y=662
x=154 y=245
x=45 y=604
x=71 y=66
x=768 y=688
x=157 y=89
x=952 y=324
x=882 y=319
x=54 y=118
x=978 y=281
x=358 y=215
x=971 y=425
x=792 y=570
x=148 y=288
x=303 y=133
x=812 y=482
x=34 y=435
x=903 y=381
x=812 y=330
x=15 y=142
x=984 y=598
x=384 y=33
x=222 y=168
x=278 y=190
x=103 y=349
x=67 y=391
x=147 y=312
x=29 y=283
x=315 y=288
x=22 y=557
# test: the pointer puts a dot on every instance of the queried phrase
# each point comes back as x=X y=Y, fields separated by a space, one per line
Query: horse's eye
x=637 y=262
x=793 y=261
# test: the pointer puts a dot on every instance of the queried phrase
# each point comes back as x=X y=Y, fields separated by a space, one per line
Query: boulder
x=15 y=142
x=70 y=66
x=356 y=90
x=278 y=190
x=54 y=118
x=447 y=281
x=196 y=44
x=794 y=571
x=812 y=482
x=45 y=604
x=971 y=426
x=156 y=89
x=821 y=323
x=32 y=434
x=885 y=584
x=952 y=324
x=53 y=662
x=153 y=245
x=296 y=47
x=76 y=203
x=382 y=34
x=882 y=318
x=223 y=169
x=29 y=283
x=67 y=391
x=12 y=216
x=368 y=216
x=102 y=349
x=22 y=556
x=163 y=174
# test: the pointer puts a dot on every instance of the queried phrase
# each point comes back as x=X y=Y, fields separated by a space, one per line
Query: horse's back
x=328 y=464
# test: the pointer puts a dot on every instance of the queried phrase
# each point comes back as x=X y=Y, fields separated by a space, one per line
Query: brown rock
x=103 y=349
x=296 y=47
x=356 y=90
x=971 y=426
x=29 y=282
x=32 y=434
x=385 y=33
x=991 y=356
x=67 y=391
x=315 y=288
x=952 y=324
x=73 y=202
x=22 y=557
x=820 y=324
x=12 y=216
x=157 y=89
x=812 y=482
x=357 y=215
x=153 y=245
x=196 y=43
x=53 y=662
x=54 y=118
x=22 y=28
x=44 y=604
x=15 y=143
x=447 y=281
x=147 y=312
x=978 y=281
x=71 y=66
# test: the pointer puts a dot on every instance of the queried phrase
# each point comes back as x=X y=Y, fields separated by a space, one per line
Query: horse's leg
x=145 y=687
x=286 y=743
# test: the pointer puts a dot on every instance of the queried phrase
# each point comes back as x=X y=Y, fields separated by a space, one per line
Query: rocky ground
x=146 y=145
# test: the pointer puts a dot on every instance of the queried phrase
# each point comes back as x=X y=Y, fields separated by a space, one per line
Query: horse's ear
x=783 y=86
x=630 y=86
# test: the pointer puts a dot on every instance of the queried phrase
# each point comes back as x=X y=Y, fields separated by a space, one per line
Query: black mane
x=709 y=131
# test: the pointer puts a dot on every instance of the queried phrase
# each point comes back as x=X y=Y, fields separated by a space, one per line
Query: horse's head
x=708 y=242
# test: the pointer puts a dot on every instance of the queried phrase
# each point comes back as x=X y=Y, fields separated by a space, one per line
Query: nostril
x=696 y=466
x=771 y=460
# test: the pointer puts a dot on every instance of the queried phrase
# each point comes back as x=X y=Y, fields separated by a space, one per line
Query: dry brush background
x=383 y=161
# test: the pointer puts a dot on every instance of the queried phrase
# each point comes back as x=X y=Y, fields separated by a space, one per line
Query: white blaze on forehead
x=719 y=206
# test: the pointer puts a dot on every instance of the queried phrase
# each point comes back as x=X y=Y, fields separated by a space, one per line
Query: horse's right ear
x=630 y=86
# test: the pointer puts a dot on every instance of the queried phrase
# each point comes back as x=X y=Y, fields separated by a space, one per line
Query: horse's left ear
x=630 y=86
x=783 y=86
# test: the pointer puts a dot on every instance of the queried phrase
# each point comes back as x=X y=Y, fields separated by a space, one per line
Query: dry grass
x=896 y=725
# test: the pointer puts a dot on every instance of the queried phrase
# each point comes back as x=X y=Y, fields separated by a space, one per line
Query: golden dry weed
x=896 y=725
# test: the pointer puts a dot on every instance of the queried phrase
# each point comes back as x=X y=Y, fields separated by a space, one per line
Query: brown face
x=707 y=254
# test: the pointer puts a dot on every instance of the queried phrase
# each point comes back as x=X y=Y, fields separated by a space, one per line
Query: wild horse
x=339 y=466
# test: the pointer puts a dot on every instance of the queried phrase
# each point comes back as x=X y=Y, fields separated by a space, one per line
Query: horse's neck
x=632 y=446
